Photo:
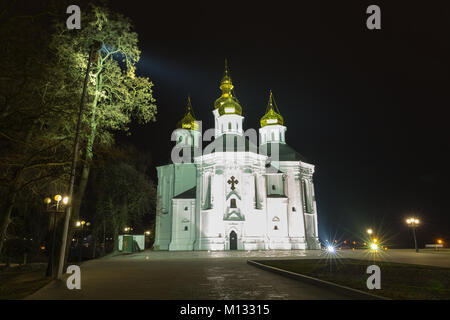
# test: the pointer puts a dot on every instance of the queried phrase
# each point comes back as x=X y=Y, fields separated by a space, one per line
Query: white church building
x=233 y=194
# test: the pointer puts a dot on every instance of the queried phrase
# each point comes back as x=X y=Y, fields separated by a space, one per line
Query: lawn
x=17 y=283
x=398 y=281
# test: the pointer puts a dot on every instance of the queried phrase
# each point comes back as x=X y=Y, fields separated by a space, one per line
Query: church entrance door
x=233 y=240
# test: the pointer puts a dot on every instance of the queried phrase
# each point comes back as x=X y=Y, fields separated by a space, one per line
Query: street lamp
x=413 y=223
x=127 y=229
x=54 y=208
x=147 y=238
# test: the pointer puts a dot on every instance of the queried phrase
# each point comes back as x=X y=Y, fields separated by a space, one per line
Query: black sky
x=368 y=108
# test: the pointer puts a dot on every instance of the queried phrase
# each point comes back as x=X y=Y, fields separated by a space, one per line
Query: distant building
x=434 y=245
x=232 y=197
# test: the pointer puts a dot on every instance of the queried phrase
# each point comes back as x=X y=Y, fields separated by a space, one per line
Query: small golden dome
x=227 y=103
x=188 y=122
x=272 y=117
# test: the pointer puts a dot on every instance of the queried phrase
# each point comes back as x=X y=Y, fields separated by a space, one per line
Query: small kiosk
x=131 y=243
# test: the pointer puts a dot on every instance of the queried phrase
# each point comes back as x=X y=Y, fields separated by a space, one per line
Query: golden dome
x=272 y=117
x=188 y=122
x=226 y=103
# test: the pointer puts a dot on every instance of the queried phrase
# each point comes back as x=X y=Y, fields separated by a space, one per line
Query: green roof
x=286 y=153
x=188 y=194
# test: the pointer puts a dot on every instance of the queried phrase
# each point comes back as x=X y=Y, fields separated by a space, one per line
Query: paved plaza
x=209 y=275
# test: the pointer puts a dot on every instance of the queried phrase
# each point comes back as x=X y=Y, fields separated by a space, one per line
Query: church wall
x=309 y=206
x=183 y=224
x=277 y=224
x=249 y=224
x=210 y=230
x=173 y=179
x=295 y=207
x=163 y=207
x=198 y=206
x=295 y=212
x=255 y=222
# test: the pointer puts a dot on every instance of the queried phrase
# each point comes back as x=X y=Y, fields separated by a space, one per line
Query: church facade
x=234 y=194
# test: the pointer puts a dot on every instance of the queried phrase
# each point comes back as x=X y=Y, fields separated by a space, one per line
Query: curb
x=321 y=283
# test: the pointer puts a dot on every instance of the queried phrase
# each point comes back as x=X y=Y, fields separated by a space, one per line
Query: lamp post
x=147 y=238
x=439 y=242
x=54 y=208
x=369 y=232
x=413 y=223
x=80 y=243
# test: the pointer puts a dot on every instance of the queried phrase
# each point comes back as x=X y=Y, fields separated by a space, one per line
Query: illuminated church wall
x=236 y=198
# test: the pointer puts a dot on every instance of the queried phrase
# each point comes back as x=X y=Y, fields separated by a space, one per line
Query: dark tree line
x=41 y=78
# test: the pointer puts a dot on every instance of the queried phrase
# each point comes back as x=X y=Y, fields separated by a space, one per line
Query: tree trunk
x=94 y=246
x=104 y=238
x=5 y=218
x=78 y=198
x=116 y=240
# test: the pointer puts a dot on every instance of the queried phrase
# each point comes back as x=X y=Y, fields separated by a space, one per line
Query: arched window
x=273 y=187
x=273 y=136
x=185 y=208
x=275 y=228
x=229 y=125
x=233 y=203
x=185 y=228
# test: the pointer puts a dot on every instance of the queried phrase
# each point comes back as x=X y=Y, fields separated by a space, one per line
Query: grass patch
x=398 y=280
x=18 y=284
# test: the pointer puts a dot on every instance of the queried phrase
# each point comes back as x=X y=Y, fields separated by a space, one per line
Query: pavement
x=209 y=275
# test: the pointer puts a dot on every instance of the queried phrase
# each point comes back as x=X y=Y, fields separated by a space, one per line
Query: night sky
x=368 y=108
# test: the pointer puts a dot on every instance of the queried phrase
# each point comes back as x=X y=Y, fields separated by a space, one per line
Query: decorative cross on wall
x=233 y=181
